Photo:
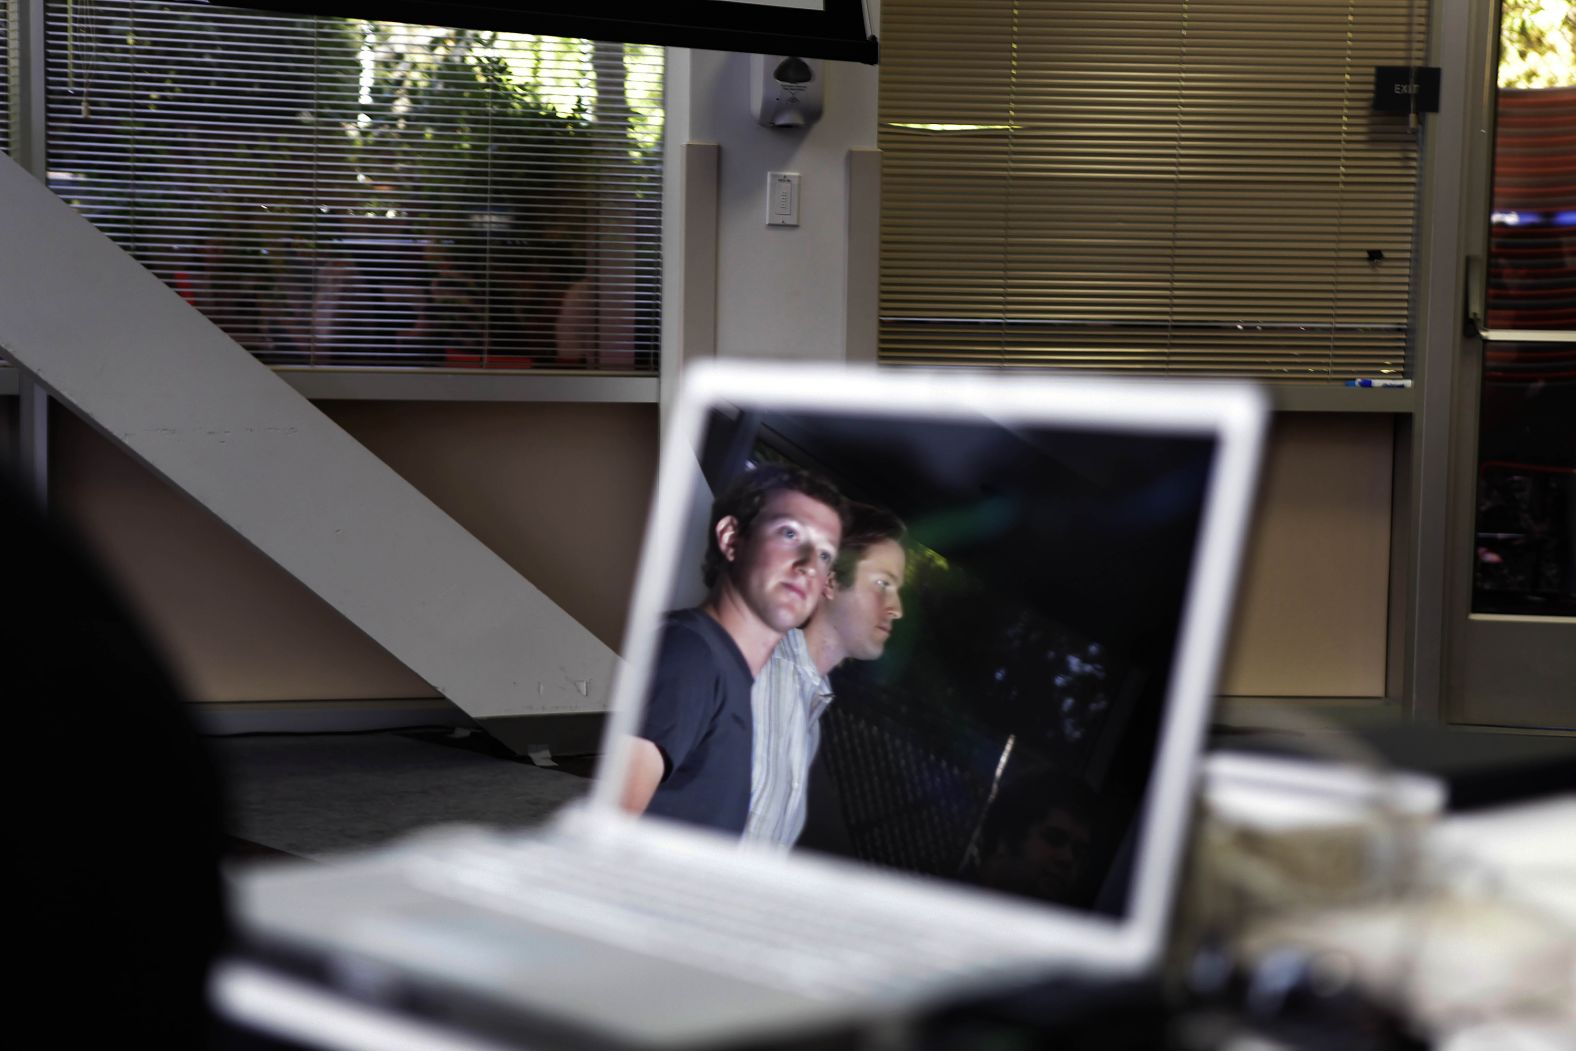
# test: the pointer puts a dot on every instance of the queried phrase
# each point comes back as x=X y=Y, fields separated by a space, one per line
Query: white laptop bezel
x=1232 y=413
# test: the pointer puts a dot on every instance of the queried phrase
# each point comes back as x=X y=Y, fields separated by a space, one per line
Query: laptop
x=1001 y=796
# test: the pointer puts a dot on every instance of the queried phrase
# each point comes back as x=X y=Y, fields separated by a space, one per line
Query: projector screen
x=835 y=29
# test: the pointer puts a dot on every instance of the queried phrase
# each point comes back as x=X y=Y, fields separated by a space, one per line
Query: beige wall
x=1311 y=617
x=1312 y=614
x=559 y=491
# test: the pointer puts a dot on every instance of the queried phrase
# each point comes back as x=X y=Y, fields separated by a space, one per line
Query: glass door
x=1513 y=640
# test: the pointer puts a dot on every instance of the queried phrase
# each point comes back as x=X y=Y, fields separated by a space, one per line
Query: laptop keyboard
x=734 y=923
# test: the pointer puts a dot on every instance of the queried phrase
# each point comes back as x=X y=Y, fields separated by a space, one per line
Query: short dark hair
x=747 y=493
x=864 y=527
x=1026 y=800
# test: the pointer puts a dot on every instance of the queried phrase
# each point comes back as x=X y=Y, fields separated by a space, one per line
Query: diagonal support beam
x=108 y=339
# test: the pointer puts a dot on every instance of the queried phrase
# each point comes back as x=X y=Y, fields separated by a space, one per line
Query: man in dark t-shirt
x=699 y=711
x=773 y=538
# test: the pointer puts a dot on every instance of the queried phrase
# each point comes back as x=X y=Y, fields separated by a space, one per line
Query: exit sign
x=1406 y=89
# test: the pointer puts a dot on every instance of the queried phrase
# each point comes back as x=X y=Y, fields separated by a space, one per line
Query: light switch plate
x=782 y=198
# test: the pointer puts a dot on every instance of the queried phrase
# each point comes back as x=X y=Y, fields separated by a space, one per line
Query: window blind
x=335 y=192
x=1181 y=186
x=7 y=68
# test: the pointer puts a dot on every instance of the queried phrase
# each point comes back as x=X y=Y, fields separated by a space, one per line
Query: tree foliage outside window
x=1537 y=44
x=359 y=193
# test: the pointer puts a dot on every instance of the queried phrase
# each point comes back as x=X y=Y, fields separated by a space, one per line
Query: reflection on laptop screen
x=995 y=722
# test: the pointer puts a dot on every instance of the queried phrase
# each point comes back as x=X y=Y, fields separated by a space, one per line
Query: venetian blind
x=1186 y=186
x=347 y=193
x=7 y=65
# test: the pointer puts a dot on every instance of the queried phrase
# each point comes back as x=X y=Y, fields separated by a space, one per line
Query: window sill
x=1300 y=397
x=433 y=385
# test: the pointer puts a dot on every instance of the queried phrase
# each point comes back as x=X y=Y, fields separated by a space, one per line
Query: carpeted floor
x=314 y=796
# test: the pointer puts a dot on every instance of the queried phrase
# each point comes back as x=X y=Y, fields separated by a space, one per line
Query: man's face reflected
x=1047 y=863
x=862 y=613
x=781 y=567
x=1055 y=850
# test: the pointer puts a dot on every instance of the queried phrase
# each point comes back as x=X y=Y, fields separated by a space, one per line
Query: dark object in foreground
x=117 y=821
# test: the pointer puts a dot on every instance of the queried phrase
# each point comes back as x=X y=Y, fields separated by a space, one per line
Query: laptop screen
x=970 y=687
